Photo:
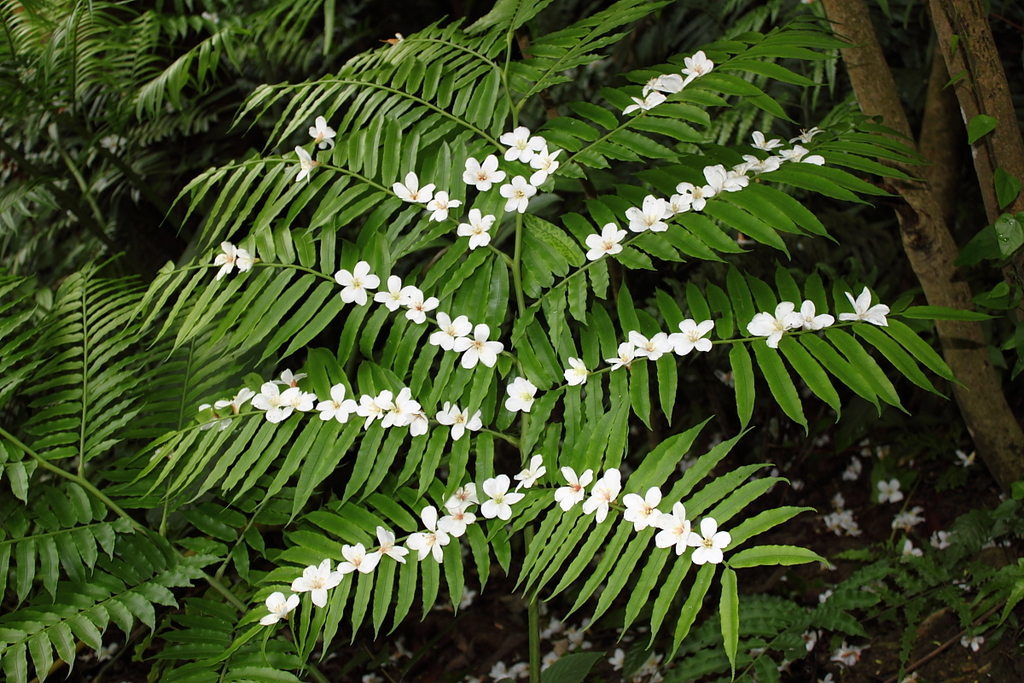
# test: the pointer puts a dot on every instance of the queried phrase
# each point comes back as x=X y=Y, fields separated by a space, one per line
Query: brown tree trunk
x=931 y=249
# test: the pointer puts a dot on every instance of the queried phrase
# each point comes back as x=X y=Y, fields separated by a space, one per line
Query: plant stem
x=517 y=265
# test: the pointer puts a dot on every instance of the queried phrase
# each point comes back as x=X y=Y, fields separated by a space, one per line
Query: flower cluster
x=841 y=519
x=786 y=318
x=676 y=530
x=654 y=90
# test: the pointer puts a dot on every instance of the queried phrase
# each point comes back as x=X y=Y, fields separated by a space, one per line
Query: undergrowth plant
x=422 y=344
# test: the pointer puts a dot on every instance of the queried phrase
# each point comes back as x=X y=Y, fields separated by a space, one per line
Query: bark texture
x=931 y=249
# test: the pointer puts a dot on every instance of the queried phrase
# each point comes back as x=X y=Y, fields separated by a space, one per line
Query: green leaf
x=779 y=382
x=919 y=348
x=984 y=245
x=810 y=372
x=693 y=604
x=941 y=313
x=865 y=366
x=571 y=668
x=1007 y=188
x=743 y=382
x=773 y=555
x=1009 y=235
x=729 y=609
x=980 y=126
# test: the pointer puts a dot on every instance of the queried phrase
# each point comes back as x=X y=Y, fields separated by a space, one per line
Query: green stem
x=84 y=483
x=226 y=592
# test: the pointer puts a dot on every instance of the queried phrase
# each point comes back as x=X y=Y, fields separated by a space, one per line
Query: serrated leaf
x=780 y=383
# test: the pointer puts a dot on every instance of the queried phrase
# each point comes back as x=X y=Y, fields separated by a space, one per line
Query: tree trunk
x=931 y=249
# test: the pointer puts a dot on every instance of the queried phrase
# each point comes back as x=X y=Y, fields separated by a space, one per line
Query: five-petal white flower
x=500 y=503
x=273 y=402
x=576 y=373
x=691 y=336
x=650 y=101
x=627 y=353
x=696 y=66
x=604 y=493
x=709 y=543
x=529 y=476
x=605 y=243
x=643 y=512
x=477 y=230
x=418 y=306
x=889 y=491
x=440 y=205
x=395 y=295
x=653 y=348
x=306 y=164
x=546 y=163
x=521 y=145
x=670 y=83
x=339 y=407
x=773 y=327
x=520 y=395
x=317 y=580
x=766 y=145
x=357 y=559
x=478 y=349
x=232 y=256
x=387 y=546
x=431 y=541
x=450 y=331
x=482 y=175
x=279 y=607
x=650 y=217
x=675 y=529
x=863 y=310
x=575 y=492
x=411 y=191
x=813 y=322
x=356 y=283
x=518 y=193
x=322 y=134
x=458 y=420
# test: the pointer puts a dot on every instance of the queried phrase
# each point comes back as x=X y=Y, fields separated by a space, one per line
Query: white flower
x=618 y=659
x=810 y=321
x=604 y=493
x=279 y=607
x=306 y=164
x=758 y=166
x=418 y=306
x=605 y=243
x=463 y=497
x=356 y=283
x=652 y=100
x=501 y=500
x=810 y=638
x=848 y=654
x=499 y=672
x=271 y=400
x=467 y=601
x=909 y=549
x=290 y=379
x=477 y=230
x=482 y=175
x=553 y=629
x=478 y=349
x=356 y=558
x=431 y=541
x=458 y=420
x=627 y=353
x=388 y=547
x=575 y=492
x=766 y=145
x=720 y=180
x=807 y=135
x=235 y=404
x=374 y=407
x=411 y=190
x=696 y=66
x=799 y=154
x=670 y=83
x=675 y=529
x=940 y=539
x=440 y=205
x=419 y=423
x=317 y=580
x=232 y=256
x=773 y=327
x=450 y=331
x=395 y=295
x=521 y=145
x=965 y=460
x=456 y=521
x=907 y=519
x=889 y=491
x=520 y=395
x=402 y=411
x=677 y=204
x=298 y=399
x=338 y=408
x=853 y=470
x=642 y=511
x=653 y=348
x=710 y=543
x=691 y=336
x=650 y=217
x=529 y=476
x=576 y=373
x=322 y=134
x=974 y=642
x=545 y=164
x=698 y=196
x=518 y=194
